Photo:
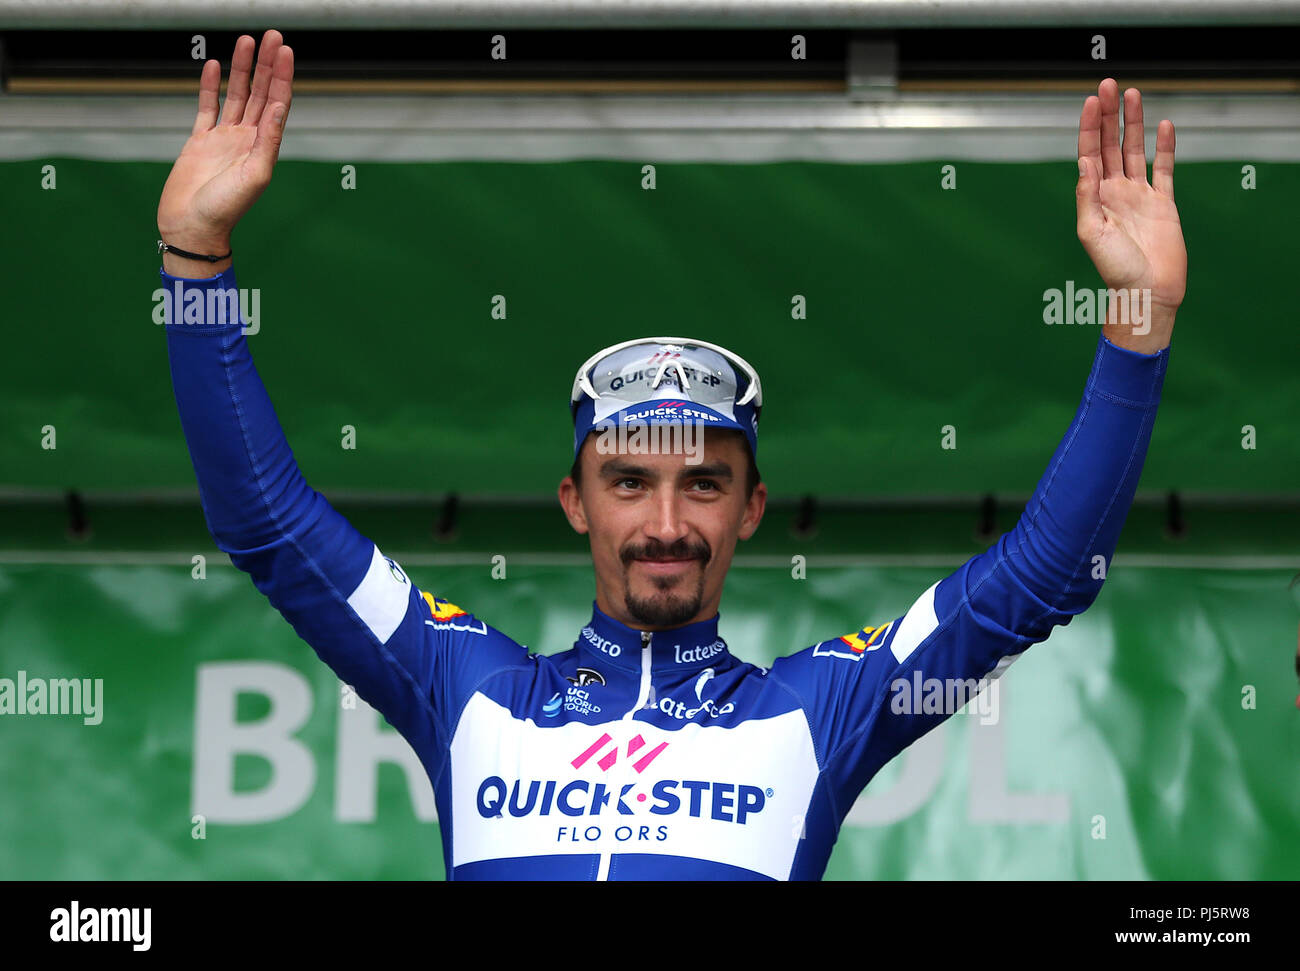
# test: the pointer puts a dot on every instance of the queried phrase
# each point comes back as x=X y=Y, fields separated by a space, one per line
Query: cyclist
x=650 y=749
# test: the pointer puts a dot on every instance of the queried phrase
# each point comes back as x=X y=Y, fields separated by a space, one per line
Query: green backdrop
x=1132 y=714
x=924 y=309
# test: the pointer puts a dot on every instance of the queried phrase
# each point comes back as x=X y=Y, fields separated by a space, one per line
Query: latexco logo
x=678 y=709
x=693 y=655
x=598 y=642
x=107 y=924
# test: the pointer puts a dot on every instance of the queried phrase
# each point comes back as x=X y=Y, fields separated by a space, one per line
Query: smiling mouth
x=665 y=565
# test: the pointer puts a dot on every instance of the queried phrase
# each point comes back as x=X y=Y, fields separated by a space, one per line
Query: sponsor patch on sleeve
x=866 y=639
x=440 y=609
x=380 y=599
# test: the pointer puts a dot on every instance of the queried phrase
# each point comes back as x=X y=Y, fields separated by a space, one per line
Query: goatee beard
x=668 y=610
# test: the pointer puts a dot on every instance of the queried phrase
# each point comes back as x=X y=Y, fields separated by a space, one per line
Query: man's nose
x=666 y=524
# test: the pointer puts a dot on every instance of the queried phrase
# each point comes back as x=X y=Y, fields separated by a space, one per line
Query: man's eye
x=712 y=486
x=624 y=482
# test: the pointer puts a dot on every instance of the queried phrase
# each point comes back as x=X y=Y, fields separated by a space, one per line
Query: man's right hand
x=226 y=164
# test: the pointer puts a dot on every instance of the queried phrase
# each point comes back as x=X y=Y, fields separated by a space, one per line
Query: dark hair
x=752 y=478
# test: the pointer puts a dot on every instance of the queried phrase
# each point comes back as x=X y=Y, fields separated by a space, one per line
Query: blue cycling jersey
x=638 y=755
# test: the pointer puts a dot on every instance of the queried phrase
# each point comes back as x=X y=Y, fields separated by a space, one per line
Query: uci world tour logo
x=577 y=699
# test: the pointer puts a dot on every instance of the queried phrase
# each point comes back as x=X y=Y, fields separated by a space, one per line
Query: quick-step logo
x=676 y=799
x=607 y=761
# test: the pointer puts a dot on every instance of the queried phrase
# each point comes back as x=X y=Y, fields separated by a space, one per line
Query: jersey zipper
x=643 y=696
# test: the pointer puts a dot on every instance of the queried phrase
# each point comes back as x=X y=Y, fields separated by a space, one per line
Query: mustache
x=680 y=550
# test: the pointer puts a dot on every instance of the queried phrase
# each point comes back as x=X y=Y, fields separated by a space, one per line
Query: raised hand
x=226 y=165
x=1130 y=227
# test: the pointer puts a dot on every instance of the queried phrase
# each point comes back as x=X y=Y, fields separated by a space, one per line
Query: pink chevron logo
x=607 y=760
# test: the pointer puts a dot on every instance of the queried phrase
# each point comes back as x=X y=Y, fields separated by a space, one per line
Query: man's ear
x=571 y=503
x=753 y=511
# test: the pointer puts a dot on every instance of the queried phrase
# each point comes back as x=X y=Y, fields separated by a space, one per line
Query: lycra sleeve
x=872 y=692
x=354 y=606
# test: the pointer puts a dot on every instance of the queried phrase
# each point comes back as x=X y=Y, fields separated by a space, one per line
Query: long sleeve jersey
x=635 y=754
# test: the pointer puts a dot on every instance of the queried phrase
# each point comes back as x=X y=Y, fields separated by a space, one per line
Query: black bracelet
x=168 y=248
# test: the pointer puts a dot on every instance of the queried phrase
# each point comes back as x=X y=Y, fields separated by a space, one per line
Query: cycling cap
x=662 y=381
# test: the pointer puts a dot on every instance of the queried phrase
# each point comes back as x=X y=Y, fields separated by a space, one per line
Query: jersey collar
x=687 y=648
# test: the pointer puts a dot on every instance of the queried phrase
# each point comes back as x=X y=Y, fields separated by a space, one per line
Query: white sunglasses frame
x=582 y=382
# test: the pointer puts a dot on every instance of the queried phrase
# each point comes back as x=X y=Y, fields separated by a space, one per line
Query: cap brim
x=656 y=412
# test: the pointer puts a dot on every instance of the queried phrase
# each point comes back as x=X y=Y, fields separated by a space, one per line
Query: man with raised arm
x=649 y=749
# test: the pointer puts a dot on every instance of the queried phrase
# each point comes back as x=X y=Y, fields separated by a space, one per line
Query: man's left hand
x=1130 y=227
